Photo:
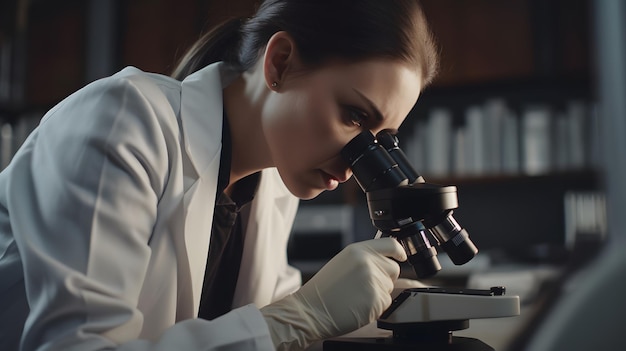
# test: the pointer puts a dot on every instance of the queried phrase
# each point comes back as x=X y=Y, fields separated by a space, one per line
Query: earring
x=274 y=84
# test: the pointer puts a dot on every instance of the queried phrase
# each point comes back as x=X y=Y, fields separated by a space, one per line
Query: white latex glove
x=350 y=291
x=372 y=330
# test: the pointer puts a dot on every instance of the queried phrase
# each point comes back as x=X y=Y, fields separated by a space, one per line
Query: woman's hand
x=350 y=291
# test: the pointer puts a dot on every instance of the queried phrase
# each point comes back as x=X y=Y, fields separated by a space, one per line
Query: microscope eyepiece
x=390 y=143
x=403 y=206
x=372 y=166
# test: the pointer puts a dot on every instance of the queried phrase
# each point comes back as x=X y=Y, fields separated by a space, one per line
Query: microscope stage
x=440 y=304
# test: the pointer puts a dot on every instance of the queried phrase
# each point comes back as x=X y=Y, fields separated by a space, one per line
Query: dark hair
x=352 y=30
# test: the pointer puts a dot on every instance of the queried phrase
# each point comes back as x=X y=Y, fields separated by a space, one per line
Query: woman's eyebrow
x=371 y=105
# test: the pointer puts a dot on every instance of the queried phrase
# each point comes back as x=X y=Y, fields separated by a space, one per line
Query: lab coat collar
x=202 y=113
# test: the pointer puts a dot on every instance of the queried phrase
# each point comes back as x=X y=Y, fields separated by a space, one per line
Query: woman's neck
x=243 y=102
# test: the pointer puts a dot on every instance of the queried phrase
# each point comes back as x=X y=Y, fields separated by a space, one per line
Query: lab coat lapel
x=201 y=116
x=267 y=225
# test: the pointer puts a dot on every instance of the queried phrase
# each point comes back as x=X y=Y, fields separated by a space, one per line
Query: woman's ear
x=279 y=59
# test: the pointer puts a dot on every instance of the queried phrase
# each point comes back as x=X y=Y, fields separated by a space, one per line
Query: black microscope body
x=402 y=205
x=420 y=216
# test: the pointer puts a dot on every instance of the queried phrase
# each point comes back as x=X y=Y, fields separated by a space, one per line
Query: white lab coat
x=105 y=219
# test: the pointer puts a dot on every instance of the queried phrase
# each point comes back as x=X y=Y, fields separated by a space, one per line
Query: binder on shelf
x=439 y=134
x=536 y=140
x=494 y=111
x=415 y=145
x=585 y=217
x=474 y=122
x=510 y=143
x=460 y=152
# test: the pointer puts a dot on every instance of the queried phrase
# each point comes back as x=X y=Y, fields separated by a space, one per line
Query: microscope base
x=455 y=343
x=424 y=319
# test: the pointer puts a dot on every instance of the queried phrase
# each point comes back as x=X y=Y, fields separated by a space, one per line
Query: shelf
x=578 y=178
x=518 y=94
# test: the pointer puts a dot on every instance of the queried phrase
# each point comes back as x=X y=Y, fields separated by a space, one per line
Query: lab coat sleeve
x=83 y=200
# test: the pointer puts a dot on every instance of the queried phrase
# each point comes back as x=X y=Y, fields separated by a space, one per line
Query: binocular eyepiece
x=402 y=205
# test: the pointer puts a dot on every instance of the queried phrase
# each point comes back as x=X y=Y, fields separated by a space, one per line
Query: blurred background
x=514 y=120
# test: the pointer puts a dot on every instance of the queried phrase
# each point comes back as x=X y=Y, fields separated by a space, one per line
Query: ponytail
x=219 y=44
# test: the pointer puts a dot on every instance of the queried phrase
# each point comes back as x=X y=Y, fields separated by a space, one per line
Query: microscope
x=419 y=215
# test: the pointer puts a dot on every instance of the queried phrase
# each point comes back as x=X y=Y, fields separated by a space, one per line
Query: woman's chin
x=308 y=194
x=305 y=192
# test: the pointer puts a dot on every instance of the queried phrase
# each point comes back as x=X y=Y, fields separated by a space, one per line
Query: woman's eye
x=356 y=117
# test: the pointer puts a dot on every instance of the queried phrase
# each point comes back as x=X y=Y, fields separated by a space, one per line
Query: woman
x=142 y=202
